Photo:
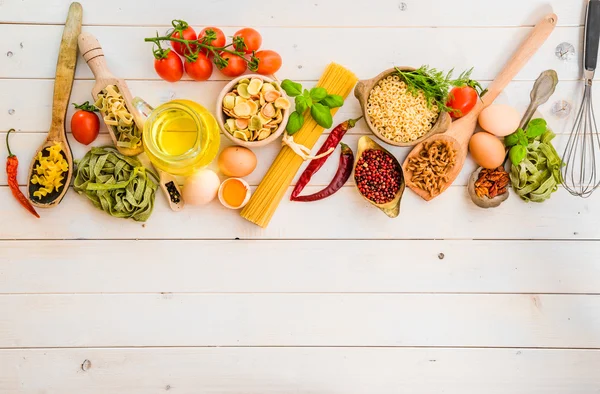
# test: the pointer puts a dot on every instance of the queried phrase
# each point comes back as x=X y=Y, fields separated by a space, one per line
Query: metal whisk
x=580 y=173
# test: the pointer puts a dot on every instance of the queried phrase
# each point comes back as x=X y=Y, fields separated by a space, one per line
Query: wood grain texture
x=307 y=51
x=300 y=266
x=304 y=13
x=299 y=371
x=344 y=216
x=170 y=319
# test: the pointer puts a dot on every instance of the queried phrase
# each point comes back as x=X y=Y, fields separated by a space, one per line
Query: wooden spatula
x=65 y=74
x=460 y=131
x=94 y=56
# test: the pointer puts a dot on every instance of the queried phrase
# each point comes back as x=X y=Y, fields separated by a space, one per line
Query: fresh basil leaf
x=292 y=88
x=333 y=101
x=523 y=141
x=322 y=115
x=317 y=94
x=537 y=122
x=517 y=153
x=301 y=104
x=511 y=139
x=536 y=127
x=295 y=122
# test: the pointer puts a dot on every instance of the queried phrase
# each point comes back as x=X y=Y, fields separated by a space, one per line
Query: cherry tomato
x=235 y=66
x=85 y=126
x=199 y=70
x=462 y=99
x=251 y=37
x=217 y=42
x=170 y=68
x=269 y=62
x=188 y=34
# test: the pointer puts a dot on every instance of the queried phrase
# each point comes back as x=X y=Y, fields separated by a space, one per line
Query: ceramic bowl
x=362 y=91
x=220 y=115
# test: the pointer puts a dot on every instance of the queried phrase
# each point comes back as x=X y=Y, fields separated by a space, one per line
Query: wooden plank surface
x=300 y=267
x=299 y=371
x=333 y=297
x=306 y=52
x=299 y=13
x=344 y=216
x=170 y=319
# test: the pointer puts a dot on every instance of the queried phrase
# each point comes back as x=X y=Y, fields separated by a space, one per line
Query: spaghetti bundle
x=336 y=80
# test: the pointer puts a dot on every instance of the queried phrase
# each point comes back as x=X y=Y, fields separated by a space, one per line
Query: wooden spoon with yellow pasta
x=51 y=169
x=112 y=96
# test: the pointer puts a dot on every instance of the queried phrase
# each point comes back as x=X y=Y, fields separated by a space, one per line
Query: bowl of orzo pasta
x=395 y=115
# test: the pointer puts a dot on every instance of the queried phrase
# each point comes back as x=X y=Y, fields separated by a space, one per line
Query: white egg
x=201 y=187
x=499 y=119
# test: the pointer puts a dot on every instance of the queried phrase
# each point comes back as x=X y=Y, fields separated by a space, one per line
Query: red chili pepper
x=339 y=179
x=331 y=142
x=12 y=164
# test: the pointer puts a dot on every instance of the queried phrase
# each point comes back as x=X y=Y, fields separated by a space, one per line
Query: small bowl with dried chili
x=488 y=188
x=379 y=177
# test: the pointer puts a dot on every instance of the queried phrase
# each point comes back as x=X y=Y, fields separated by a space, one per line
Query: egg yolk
x=234 y=193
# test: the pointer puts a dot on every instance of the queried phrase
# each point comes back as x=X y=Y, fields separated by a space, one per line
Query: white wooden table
x=333 y=297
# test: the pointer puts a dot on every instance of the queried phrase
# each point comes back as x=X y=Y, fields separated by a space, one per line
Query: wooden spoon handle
x=65 y=71
x=93 y=54
x=534 y=41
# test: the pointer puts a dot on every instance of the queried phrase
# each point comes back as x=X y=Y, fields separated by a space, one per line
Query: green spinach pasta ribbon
x=538 y=175
x=117 y=184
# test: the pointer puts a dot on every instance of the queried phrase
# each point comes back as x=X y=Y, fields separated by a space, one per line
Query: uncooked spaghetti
x=336 y=80
x=431 y=166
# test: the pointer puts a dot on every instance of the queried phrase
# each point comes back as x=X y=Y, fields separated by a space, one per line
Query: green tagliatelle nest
x=538 y=175
x=117 y=184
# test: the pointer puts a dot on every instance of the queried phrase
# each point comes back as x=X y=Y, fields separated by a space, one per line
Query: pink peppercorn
x=377 y=176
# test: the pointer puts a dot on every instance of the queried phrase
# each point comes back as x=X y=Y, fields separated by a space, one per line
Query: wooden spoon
x=460 y=131
x=94 y=56
x=65 y=74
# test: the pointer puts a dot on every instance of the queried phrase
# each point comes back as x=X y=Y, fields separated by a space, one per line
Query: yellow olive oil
x=180 y=137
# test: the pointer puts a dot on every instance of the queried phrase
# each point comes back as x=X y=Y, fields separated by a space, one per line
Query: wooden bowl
x=362 y=92
x=221 y=116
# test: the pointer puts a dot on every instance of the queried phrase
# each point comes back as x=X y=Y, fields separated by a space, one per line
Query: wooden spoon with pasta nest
x=460 y=130
x=94 y=56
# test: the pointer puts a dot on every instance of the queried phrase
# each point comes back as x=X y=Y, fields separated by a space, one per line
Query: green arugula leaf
x=295 y=122
x=292 y=88
x=333 y=101
x=317 y=94
x=322 y=115
x=517 y=153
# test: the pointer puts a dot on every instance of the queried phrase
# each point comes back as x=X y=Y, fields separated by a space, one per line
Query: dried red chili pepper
x=331 y=142
x=12 y=164
x=339 y=179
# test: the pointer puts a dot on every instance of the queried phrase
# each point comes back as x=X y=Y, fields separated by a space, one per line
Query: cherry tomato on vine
x=218 y=42
x=180 y=48
x=462 y=99
x=252 y=39
x=269 y=62
x=235 y=65
x=170 y=67
x=200 y=69
x=85 y=124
